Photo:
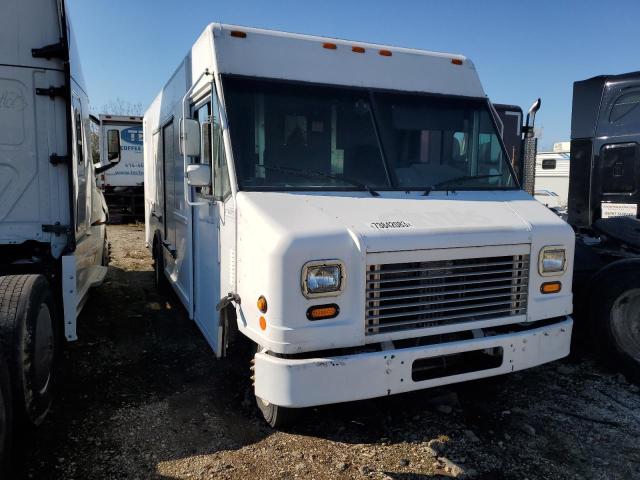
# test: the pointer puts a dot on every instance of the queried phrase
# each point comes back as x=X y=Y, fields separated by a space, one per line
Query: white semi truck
x=52 y=216
x=350 y=209
x=122 y=185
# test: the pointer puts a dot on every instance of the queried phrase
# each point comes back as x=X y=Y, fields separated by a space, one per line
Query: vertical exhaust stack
x=530 y=148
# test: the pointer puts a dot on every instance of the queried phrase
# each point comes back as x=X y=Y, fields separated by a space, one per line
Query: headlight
x=322 y=278
x=552 y=261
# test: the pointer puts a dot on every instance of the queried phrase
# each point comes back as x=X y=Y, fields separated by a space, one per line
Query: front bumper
x=320 y=381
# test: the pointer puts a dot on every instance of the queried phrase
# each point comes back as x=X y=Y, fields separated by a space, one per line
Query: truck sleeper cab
x=53 y=245
x=353 y=212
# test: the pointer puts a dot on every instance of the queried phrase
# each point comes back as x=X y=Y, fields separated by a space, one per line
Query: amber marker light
x=238 y=34
x=263 y=323
x=323 y=312
x=385 y=53
x=456 y=61
x=550 y=287
x=357 y=49
x=262 y=304
x=330 y=46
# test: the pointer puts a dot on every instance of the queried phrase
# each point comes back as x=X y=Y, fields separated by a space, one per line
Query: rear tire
x=158 y=267
x=615 y=321
x=106 y=251
x=6 y=419
x=28 y=341
x=275 y=415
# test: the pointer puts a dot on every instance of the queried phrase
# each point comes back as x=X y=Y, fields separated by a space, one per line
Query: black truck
x=604 y=195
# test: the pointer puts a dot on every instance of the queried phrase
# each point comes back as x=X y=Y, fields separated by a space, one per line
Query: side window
x=81 y=174
x=221 y=184
x=625 y=104
x=549 y=164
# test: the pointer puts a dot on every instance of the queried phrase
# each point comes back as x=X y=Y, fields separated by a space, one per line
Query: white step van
x=52 y=216
x=349 y=208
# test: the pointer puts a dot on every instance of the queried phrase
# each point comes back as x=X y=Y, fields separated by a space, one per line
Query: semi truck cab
x=350 y=208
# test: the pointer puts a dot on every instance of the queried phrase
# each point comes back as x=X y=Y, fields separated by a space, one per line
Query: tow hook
x=231 y=297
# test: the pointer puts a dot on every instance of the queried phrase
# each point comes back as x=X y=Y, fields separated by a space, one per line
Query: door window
x=221 y=184
x=80 y=166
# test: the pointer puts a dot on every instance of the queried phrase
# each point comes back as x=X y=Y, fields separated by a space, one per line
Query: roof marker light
x=456 y=61
x=385 y=53
x=330 y=46
x=357 y=49
x=238 y=34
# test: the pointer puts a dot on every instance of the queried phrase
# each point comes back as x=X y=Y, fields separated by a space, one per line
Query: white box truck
x=52 y=216
x=351 y=210
x=122 y=185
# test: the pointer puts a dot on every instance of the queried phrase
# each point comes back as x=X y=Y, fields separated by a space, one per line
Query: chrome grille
x=425 y=294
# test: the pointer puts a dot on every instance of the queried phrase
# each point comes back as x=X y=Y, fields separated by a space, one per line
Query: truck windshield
x=351 y=139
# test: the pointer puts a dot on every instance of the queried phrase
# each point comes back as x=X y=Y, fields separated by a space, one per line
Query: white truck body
x=129 y=170
x=552 y=176
x=51 y=213
x=250 y=238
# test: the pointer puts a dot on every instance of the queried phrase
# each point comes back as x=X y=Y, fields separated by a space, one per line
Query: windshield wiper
x=446 y=183
x=316 y=173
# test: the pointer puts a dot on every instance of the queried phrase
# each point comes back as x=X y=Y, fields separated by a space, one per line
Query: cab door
x=209 y=226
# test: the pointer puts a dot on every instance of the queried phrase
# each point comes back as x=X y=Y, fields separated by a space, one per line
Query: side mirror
x=190 y=137
x=113 y=146
x=199 y=175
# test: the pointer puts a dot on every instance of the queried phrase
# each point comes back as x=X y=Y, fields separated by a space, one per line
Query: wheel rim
x=43 y=349
x=625 y=322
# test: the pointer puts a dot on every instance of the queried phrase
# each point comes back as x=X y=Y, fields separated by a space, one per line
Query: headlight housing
x=552 y=261
x=323 y=278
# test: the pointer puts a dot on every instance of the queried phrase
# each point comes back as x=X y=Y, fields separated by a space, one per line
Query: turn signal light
x=263 y=323
x=322 y=312
x=550 y=287
x=262 y=304
x=238 y=34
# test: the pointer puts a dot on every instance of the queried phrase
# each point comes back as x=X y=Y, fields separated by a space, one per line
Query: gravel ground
x=142 y=396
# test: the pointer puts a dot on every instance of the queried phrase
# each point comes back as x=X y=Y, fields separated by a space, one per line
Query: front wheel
x=275 y=415
x=29 y=342
x=616 y=321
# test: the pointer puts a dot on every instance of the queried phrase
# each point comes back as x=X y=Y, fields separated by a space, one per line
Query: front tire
x=275 y=415
x=616 y=321
x=28 y=341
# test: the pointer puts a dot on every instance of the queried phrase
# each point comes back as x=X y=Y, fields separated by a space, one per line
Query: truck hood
x=398 y=221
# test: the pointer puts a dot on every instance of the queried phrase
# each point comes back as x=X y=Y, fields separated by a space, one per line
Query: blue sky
x=521 y=50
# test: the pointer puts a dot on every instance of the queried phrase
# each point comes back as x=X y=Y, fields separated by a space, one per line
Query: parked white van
x=350 y=208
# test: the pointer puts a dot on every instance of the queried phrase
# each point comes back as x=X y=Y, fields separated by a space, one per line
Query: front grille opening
x=422 y=294
x=456 y=364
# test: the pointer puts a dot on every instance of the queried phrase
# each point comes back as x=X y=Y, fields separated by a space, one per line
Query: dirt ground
x=142 y=396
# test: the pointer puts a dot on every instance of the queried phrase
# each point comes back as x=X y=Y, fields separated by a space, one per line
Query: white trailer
x=122 y=185
x=52 y=216
x=552 y=177
x=351 y=210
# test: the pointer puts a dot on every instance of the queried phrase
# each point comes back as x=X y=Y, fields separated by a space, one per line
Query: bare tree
x=118 y=106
